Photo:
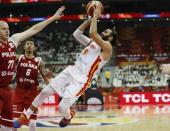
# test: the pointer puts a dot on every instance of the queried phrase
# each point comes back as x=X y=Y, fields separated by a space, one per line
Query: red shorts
x=6 y=102
x=23 y=99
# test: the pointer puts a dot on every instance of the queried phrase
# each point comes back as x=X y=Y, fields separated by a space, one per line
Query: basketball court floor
x=107 y=118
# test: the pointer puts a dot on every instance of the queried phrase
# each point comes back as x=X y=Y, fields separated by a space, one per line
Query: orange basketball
x=90 y=7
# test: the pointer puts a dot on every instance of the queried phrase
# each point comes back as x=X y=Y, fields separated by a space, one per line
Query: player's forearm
x=78 y=33
x=84 y=25
x=19 y=37
x=93 y=27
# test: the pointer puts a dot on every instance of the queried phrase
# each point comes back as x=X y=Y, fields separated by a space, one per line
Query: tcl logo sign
x=145 y=98
x=162 y=97
x=136 y=98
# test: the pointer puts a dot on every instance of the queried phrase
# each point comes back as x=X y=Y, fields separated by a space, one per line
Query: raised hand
x=59 y=13
x=97 y=12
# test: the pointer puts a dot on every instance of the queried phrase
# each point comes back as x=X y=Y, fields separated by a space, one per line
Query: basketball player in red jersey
x=72 y=82
x=27 y=82
x=7 y=64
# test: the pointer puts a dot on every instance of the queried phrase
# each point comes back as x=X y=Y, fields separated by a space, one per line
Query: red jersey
x=7 y=62
x=27 y=72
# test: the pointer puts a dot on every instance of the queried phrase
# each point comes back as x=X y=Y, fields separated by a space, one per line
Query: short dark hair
x=33 y=40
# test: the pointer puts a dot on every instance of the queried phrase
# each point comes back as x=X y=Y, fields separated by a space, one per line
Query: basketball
x=90 y=7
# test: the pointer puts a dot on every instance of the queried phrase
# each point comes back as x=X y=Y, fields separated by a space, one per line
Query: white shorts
x=66 y=85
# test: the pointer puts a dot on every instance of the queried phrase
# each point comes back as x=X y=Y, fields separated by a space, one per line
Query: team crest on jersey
x=11 y=45
x=37 y=59
x=92 y=46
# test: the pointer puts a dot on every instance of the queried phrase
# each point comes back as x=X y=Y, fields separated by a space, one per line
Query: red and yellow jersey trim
x=93 y=69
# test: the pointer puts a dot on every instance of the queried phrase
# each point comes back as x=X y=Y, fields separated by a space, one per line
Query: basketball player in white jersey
x=71 y=83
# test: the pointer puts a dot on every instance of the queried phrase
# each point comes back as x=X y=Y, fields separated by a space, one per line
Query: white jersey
x=88 y=63
x=74 y=80
x=90 y=60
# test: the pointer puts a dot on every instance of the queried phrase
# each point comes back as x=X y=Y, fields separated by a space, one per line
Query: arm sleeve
x=81 y=38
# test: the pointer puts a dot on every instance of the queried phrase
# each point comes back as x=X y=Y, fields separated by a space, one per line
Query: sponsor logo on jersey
x=93 y=46
x=5 y=73
x=26 y=80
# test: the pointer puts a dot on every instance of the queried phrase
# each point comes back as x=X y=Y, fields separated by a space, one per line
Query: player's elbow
x=77 y=33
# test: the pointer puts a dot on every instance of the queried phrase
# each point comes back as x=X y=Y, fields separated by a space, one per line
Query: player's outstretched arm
x=104 y=45
x=78 y=33
x=19 y=37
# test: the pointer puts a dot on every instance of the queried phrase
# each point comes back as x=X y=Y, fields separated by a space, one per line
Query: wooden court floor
x=107 y=118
